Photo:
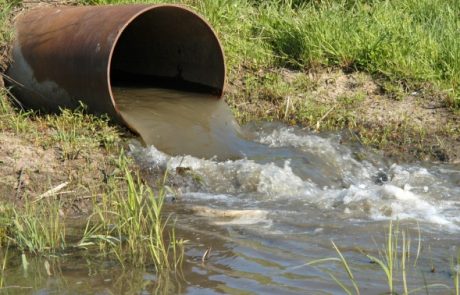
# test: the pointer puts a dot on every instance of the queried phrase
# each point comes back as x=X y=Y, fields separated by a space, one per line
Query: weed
x=3 y=261
x=394 y=258
x=78 y=133
x=38 y=227
x=455 y=268
x=129 y=224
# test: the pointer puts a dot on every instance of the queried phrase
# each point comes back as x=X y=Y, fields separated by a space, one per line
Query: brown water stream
x=181 y=123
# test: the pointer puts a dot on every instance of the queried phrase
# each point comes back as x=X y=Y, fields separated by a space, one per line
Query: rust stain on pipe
x=63 y=55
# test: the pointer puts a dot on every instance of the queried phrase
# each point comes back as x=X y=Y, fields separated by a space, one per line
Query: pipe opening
x=168 y=47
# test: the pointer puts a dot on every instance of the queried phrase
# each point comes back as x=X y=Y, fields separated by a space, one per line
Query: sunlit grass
x=393 y=259
x=455 y=268
x=129 y=224
x=78 y=133
x=38 y=227
x=3 y=262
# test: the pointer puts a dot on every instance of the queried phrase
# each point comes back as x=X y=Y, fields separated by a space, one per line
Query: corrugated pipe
x=63 y=55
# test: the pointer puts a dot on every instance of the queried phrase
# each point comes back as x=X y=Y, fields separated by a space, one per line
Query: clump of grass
x=37 y=227
x=341 y=259
x=3 y=262
x=6 y=33
x=77 y=133
x=129 y=224
x=14 y=120
x=405 y=41
x=455 y=268
x=393 y=258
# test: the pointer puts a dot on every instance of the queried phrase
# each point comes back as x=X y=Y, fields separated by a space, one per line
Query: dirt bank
x=414 y=124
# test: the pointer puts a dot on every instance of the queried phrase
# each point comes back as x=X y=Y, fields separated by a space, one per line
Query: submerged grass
x=128 y=223
x=394 y=259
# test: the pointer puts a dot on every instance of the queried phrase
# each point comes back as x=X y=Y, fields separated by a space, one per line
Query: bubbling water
x=270 y=205
x=282 y=168
x=357 y=189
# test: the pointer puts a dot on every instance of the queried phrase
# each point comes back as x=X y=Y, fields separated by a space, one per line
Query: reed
x=455 y=268
x=129 y=224
x=38 y=227
x=3 y=261
x=341 y=259
x=393 y=259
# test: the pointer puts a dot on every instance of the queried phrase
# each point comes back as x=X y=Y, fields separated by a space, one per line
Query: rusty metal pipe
x=63 y=55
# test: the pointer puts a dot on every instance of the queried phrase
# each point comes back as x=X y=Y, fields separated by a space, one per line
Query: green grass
x=78 y=133
x=394 y=259
x=6 y=34
x=38 y=227
x=128 y=223
x=127 y=219
x=455 y=268
x=406 y=44
x=3 y=262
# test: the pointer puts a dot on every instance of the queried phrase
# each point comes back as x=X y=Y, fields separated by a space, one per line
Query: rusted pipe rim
x=136 y=16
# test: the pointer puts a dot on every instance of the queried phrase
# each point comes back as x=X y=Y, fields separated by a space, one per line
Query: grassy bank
x=319 y=64
x=388 y=71
x=58 y=167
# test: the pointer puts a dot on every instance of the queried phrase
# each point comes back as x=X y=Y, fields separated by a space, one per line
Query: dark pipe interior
x=169 y=47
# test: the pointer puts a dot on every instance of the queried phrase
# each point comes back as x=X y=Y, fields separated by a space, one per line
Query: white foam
x=410 y=192
x=232 y=177
x=329 y=150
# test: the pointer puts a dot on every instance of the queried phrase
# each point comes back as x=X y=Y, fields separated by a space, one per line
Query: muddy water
x=268 y=213
x=181 y=123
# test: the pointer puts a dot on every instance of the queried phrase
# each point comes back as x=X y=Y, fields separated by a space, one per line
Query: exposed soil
x=31 y=172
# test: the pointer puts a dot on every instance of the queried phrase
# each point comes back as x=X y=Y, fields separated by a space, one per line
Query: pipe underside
x=69 y=54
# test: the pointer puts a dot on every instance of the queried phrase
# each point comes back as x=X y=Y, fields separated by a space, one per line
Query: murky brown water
x=271 y=209
x=181 y=123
